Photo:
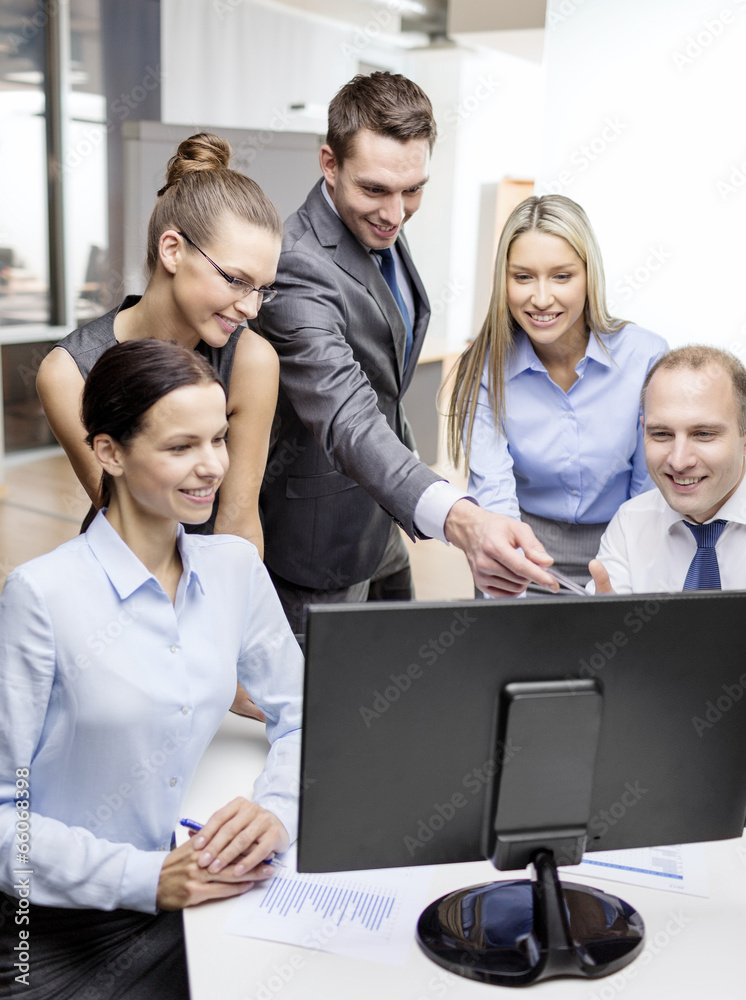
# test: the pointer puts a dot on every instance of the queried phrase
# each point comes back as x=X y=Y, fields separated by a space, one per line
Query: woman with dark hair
x=212 y=250
x=119 y=657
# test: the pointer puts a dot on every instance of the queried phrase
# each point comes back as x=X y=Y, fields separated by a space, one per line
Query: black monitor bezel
x=376 y=763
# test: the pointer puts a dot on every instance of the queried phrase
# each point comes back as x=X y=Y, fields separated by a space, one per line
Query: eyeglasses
x=243 y=288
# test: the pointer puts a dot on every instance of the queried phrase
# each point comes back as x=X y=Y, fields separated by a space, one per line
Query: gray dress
x=86 y=345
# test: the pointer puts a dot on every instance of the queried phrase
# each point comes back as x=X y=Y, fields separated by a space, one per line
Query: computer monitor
x=525 y=732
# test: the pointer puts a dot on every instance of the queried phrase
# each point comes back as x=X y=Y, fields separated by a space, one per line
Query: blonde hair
x=200 y=189
x=558 y=216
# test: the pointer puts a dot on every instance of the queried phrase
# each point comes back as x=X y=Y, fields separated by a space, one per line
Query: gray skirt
x=572 y=546
x=92 y=954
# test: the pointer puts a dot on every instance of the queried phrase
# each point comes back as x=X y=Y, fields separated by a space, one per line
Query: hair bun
x=203 y=151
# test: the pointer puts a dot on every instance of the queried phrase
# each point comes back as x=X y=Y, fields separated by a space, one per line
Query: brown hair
x=698 y=356
x=128 y=379
x=559 y=216
x=385 y=103
x=200 y=188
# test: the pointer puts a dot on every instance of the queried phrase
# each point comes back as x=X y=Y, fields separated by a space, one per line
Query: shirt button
x=161 y=848
x=173 y=781
x=571 y=459
x=174 y=649
x=185 y=710
x=574 y=493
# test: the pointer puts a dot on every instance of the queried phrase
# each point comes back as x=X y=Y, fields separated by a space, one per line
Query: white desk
x=683 y=933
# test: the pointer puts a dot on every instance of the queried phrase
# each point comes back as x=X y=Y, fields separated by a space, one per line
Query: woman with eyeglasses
x=213 y=246
x=212 y=250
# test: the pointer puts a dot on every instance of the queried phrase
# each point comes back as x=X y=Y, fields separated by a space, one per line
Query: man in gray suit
x=348 y=326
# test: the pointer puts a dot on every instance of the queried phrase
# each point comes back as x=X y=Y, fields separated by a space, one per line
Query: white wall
x=644 y=127
x=241 y=65
x=488 y=107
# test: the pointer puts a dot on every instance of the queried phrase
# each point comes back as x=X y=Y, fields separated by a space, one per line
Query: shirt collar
x=734 y=509
x=524 y=356
x=328 y=198
x=125 y=571
x=596 y=352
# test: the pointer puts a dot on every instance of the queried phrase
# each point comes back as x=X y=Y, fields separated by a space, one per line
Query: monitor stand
x=517 y=932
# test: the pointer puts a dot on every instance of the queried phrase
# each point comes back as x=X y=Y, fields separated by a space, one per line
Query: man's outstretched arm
x=492 y=544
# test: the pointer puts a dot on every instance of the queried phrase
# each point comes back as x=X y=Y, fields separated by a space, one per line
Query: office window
x=85 y=166
x=24 y=278
x=71 y=71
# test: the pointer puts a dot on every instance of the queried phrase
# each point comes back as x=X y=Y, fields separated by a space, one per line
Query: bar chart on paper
x=676 y=867
x=368 y=910
x=368 y=914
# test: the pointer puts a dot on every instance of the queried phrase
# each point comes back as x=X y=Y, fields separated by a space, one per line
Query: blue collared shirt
x=110 y=694
x=570 y=456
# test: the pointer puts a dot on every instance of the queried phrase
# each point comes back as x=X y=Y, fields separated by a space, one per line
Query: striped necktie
x=704 y=572
x=388 y=269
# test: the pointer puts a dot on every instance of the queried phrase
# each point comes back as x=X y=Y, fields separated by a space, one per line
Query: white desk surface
x=695 y=948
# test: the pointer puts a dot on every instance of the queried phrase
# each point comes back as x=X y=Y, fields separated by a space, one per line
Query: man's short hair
x=697 y=356
x=386 y=104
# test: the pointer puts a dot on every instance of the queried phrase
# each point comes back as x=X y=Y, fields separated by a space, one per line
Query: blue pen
x=192 y=824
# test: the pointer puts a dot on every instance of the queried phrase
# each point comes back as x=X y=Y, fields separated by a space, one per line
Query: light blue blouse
x=110 y=694
x=569 y=456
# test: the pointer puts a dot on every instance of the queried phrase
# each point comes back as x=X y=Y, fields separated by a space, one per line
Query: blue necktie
x=388 y=269
x=704 y=573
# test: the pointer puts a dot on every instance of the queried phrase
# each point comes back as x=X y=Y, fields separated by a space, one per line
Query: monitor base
x=517 y=932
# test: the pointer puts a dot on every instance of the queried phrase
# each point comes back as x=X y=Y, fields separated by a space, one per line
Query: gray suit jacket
x=340 y=465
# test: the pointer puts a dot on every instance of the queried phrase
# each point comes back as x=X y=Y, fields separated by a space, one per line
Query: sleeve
x=614 y=554
x=491 y=479
x=67 y=866
x=641 y=481
x=307 y=324
x=433 y=508
x=271 y=667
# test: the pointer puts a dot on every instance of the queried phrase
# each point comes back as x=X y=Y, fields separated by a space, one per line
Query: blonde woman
x=545 y=402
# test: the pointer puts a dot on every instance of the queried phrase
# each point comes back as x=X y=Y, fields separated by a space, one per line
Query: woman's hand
x=224 y=859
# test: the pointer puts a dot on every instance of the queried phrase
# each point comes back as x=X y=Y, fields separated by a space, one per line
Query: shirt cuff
x=142 y=872
x=434 y=506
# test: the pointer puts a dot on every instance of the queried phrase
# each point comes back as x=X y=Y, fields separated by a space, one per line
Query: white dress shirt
x=647 y=548
x=110 y=694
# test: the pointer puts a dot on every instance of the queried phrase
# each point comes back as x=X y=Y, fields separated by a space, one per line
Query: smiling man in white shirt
x=694 y=420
